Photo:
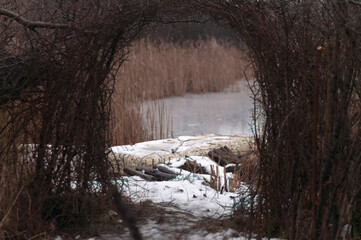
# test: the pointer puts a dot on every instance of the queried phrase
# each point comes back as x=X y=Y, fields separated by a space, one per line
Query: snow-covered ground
x=183 y=144
x=191 y=192
x=188 y=198
x=186 y=201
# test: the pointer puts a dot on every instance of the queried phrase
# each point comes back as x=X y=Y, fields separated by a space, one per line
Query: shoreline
x=162 y=151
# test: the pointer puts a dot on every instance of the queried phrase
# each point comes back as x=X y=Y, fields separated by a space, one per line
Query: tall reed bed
x=162 y=69
x=171 y=69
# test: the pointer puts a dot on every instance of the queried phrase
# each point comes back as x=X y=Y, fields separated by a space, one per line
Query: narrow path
x=169 y=222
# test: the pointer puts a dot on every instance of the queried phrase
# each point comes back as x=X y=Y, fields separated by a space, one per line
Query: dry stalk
x=11 y=207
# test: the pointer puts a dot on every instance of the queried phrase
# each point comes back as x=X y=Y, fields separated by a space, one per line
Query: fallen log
x=161 y=176
x=165 y=170
x=133 y=172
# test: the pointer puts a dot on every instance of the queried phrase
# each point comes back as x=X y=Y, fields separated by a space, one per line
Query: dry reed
x=172 y=69
x=162 y=69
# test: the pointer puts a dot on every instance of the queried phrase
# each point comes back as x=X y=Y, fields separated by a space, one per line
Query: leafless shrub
x=306 y=58
x=58 y=62
x=57 y=75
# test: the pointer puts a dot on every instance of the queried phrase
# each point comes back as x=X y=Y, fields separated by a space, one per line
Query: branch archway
x=57 y=75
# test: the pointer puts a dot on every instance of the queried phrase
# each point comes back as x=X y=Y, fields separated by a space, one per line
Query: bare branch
x=31 y=24
x=183 y=21
x=355 y=2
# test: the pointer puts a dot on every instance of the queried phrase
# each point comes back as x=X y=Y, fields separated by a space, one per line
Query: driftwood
x=165 y=170
x=133 y=172
x=223 y=156
x=161 y=176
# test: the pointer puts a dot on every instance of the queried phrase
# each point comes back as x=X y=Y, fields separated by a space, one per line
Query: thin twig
x=12 y=205
x=31 y=24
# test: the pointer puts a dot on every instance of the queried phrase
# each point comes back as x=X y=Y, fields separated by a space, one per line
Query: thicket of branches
x=306 y=58
x=58 y=60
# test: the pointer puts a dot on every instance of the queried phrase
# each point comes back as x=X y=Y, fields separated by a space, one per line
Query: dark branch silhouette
x=31 y=24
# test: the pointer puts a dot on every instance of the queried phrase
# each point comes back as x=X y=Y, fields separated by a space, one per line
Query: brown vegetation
x=161 y=69
x=58 y=61
x=306 y=58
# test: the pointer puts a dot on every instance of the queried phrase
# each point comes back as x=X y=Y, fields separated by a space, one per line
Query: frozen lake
x=218 y=113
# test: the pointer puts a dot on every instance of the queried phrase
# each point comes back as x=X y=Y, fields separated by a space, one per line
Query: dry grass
x=157 y=70
x=172 y=69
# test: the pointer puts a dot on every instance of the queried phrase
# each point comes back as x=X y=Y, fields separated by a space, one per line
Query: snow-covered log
x=161 y=176
x=133 y=172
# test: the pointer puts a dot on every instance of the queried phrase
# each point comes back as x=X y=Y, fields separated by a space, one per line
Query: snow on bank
x=183 y=144
x=187 y=199
x=191 y=195
x=190 y=192
x=154 y=231
x=161 y=151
